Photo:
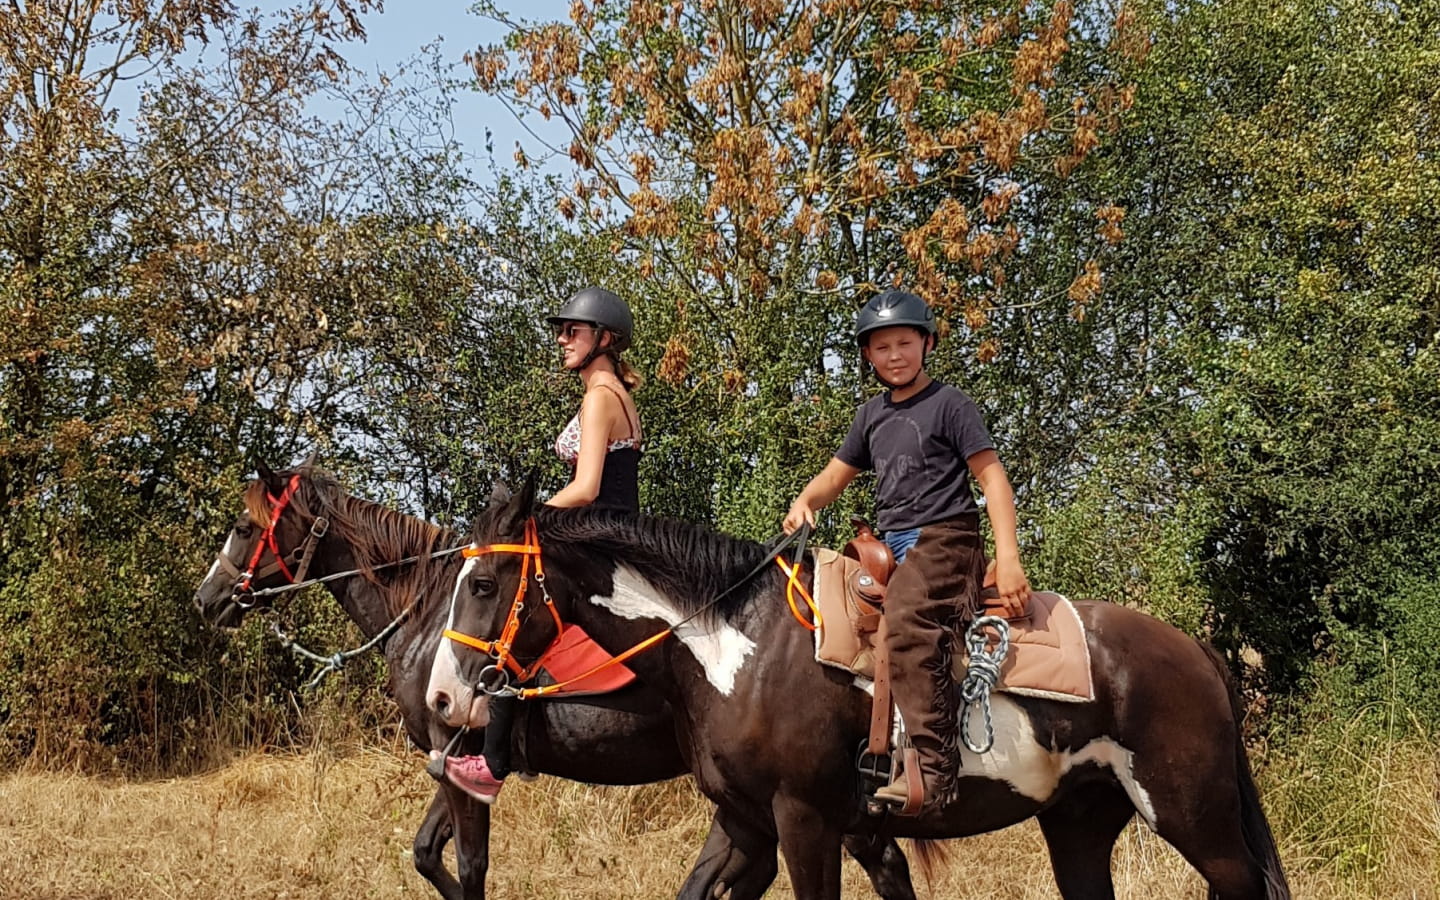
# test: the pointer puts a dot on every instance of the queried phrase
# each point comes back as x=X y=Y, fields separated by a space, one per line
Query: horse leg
x=1212 y=839
x=429 y=847
x=1224 y=834
x=1213 y=815
x=811 y=845
x=882 y=860
x=736 y=859
x=1080 y=835
x=470 y=821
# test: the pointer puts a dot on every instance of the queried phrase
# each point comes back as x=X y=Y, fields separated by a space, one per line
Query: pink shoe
x=472 y=775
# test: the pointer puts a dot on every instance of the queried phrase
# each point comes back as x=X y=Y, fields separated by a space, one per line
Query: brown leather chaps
x=935 y=589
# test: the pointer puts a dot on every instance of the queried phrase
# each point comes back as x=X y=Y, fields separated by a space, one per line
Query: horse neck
x=364 y=601
x=702 y=650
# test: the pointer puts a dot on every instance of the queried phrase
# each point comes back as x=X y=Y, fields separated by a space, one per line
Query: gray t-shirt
x=918 y=450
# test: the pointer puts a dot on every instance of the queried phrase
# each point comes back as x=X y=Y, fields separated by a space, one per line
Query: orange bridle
x=500 y=649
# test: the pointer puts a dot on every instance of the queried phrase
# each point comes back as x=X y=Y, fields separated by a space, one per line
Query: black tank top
x=620 y=481
x=620 y=478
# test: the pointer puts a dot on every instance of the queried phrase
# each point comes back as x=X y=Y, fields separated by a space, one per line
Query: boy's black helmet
x=894 y=308
x=601 y=307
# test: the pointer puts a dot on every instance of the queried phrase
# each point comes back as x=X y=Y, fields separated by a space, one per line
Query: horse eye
x=482 y=586
x=243 y=530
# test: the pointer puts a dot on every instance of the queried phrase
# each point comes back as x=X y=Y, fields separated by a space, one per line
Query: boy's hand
x=1013 y=587
x=800 y=511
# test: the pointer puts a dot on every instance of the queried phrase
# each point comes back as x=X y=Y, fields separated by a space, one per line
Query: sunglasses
x=569 y=330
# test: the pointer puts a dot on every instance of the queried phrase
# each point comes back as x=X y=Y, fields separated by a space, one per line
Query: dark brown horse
x=771 y=735
x=628 y=737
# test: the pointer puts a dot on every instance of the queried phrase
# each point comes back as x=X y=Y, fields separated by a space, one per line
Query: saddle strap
x=881 y=709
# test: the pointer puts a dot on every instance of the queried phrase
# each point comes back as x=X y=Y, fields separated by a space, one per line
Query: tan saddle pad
x=1048 y=654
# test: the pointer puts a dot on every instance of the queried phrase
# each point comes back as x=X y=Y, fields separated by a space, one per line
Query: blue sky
x=405 y=26
x=398 y=35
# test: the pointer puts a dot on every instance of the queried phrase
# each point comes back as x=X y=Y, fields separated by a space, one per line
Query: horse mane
x=690 y=563
x=257 y=503
x=376 y=535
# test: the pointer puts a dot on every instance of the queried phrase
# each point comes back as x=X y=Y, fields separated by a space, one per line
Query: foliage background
x=1184 y=254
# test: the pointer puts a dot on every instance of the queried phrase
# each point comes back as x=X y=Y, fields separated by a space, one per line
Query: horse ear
x=527 y=493
x=264 y=472
x=309 y=462
x=499 y=493
x=521 y=506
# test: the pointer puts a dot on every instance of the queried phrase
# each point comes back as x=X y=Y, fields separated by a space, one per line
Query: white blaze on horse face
x=1034 y=771
x=225 y=552
x=721 y=650
x=445 y=675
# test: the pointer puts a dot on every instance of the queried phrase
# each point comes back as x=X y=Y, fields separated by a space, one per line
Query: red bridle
x=268 y=542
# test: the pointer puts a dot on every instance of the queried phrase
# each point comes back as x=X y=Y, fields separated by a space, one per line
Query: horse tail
x=930 y=855
x=1254 y=828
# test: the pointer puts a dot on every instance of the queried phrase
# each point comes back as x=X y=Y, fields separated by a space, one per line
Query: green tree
x=171 y=290
x=1279 y=280
x=770 y=163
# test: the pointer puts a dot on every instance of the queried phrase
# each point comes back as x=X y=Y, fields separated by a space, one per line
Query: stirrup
x=914 y=785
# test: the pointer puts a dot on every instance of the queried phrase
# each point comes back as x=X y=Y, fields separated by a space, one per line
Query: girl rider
x=601 y=444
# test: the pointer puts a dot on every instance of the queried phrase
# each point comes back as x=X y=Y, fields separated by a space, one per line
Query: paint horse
x=300 y=523
x=771 y=735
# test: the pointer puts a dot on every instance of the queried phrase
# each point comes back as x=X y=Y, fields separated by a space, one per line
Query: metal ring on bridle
x=493 y=681
x=242 y=597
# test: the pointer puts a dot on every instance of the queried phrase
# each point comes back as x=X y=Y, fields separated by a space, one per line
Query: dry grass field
x=321 y=825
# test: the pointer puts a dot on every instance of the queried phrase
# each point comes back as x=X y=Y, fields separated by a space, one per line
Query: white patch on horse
x=720 y=649
x=1016 y=757
x=445 y=674
x=1106 y=752
x=460 y=579
x=1033 y=771
x=225 y=552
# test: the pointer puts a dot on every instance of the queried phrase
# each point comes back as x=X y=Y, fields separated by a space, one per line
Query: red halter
x=267 y=541
x=267 y=538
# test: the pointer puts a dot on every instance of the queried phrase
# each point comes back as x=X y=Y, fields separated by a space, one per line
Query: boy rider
x=924 y=440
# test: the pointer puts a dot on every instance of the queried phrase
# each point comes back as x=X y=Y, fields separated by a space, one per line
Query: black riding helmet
x=602 y=308
x=894 y=308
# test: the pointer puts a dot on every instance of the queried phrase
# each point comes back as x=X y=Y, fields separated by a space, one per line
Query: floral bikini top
x=567 y=445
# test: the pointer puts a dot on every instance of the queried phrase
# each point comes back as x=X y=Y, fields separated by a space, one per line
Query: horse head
x=501 y=585
x=269 y=545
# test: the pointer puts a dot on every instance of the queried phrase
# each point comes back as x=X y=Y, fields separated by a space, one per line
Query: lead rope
x=335 y=661
x=348 y=573
x=982 y=674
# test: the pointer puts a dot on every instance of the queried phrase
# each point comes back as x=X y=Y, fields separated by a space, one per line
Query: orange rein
x=500 y=649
